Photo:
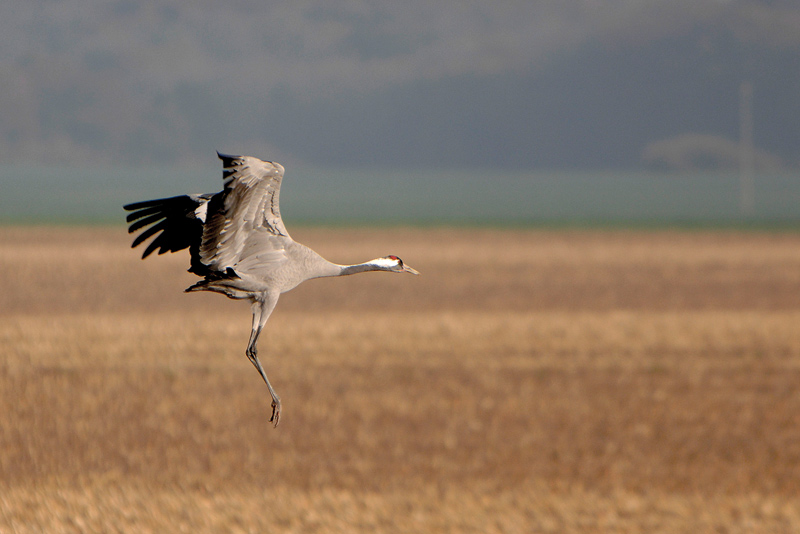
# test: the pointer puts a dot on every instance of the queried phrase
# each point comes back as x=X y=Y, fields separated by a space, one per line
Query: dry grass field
x=528 y=381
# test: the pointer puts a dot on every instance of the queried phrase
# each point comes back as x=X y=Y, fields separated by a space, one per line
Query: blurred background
x=543 y=377
x=676 y=111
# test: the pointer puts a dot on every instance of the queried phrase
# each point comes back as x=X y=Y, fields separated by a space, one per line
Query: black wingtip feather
x=154 y=244
x=149 y=232
x=144 y=212
x=163 y=202
x=144 y=221
x=143 y=204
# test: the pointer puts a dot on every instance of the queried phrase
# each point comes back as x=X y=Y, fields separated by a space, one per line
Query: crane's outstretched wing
x=246 y=213
x=176 y=222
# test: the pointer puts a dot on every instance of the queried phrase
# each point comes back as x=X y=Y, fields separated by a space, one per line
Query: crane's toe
x=276 y=412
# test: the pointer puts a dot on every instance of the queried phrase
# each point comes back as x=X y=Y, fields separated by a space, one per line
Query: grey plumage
x=239 y=245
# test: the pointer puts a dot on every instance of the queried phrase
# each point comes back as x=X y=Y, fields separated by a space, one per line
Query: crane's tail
x=202 y=285
x=221 y=282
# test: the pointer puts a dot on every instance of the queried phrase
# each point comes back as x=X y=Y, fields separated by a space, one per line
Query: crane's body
x=239 y=244
x=290 y=263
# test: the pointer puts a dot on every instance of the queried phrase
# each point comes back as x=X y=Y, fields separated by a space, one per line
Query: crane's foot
x=276 y=412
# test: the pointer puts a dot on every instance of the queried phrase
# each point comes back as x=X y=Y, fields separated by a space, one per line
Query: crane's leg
x=261 y=312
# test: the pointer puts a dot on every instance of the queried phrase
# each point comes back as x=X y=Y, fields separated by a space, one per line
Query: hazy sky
x=452 y=84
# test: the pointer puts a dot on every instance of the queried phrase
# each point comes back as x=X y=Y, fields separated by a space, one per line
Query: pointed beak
x=407 y=269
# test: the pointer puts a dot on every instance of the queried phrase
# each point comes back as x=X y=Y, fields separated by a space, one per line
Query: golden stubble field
x=528 y=381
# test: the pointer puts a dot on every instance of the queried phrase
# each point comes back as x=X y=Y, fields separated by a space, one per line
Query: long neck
x=360 y=268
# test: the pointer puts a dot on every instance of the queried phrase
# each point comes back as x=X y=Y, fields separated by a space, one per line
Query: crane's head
x=395 y=264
